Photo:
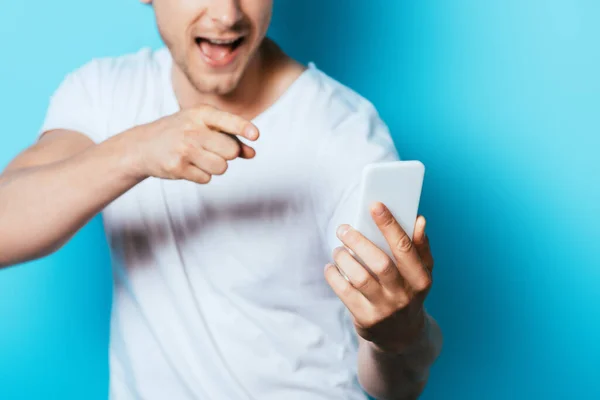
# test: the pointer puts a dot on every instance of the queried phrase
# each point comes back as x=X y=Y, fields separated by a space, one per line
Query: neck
x=249 y=96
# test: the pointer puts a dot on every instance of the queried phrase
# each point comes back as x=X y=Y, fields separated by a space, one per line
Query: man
x=219 y=289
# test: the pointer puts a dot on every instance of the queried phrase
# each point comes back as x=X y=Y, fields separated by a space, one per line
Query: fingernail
x=251 y=132
x=378 y=209
x=342 y=230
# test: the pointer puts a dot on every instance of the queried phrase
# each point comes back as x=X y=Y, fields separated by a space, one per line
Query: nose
x=226 y=13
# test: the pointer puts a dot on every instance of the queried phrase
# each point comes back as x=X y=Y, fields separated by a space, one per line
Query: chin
x=221 y=86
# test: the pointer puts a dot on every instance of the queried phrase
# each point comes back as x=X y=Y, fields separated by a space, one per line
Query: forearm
x=42 y=207
x=399 y=377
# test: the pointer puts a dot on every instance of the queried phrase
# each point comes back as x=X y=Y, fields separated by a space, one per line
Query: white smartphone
x=398 y=185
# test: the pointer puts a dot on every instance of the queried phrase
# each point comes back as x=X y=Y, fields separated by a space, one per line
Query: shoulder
x=109 y=94
x=343 y=121
x=107 y=69
x=123 y=91
x=106 y=79
x=332 y=103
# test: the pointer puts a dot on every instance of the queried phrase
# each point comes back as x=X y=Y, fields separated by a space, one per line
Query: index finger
x=226 y=122
x=408 y=260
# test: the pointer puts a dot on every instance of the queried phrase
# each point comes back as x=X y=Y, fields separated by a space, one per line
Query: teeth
x=216 y=41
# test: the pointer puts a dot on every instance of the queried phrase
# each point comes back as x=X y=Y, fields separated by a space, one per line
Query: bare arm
x=53 y=188
x=399 y=377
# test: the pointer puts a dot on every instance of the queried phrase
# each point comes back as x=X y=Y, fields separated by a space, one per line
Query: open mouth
x=219 y=52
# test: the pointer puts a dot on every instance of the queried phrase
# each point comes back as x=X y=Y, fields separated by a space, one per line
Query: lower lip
x=223 y=62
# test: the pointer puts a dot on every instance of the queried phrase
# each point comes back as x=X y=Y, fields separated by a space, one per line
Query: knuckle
x=403 y=244
x=188 y=125
x=388 y=220
x=362 y=281
x=232 y=152
x=402 y=301
x=221 y=167
x=347 y=289
x=185 y=150
x=382 y=266
x=173 y=166
x=422 y=284
x=204 y=179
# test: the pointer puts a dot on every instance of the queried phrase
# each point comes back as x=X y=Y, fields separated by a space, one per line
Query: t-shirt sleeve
x=360 y=139
x=75 y=105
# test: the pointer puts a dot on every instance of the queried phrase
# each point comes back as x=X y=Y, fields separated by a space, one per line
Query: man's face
x=212 y=41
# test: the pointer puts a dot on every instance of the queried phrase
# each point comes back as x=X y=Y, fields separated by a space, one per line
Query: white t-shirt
x=219 y=291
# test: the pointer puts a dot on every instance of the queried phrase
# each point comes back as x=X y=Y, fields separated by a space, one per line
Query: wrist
x=413 y=357
x=125 y=147
x=409 y=341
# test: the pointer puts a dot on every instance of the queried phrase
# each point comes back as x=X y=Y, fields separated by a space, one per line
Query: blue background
x=499 y=99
